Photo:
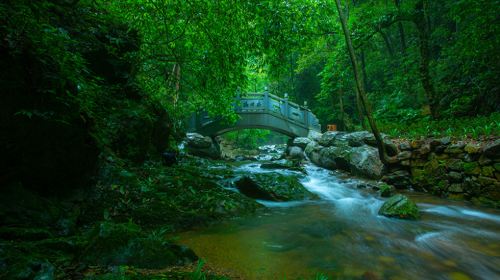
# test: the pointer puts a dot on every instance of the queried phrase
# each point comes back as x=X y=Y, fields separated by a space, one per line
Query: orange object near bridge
x=331 y=127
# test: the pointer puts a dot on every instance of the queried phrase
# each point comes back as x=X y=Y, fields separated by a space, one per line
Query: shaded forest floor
x=120 y=228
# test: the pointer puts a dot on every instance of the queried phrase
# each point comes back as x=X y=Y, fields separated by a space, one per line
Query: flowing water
x=342 y=236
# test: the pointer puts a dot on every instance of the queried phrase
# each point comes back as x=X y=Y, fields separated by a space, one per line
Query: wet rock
x=492 y=150
x=488 y=171
x=283 y=164
x=456 y=148
x=455 y=165
x=483 y=160
x=404 y=155
x=486 y=181
x=455 y=176
x=456 y=188
x=472 y=148
x=328 y=138
x=296 y=153
x=386 y=190
x=197 y=140
x=301 y=142
x=445 y=141
x=314 y=135
x=273 y=187
x=313 y=152
x=471 y=168
x=202 y=146
x=404 y=146
x=400 y=179
x=399 y=206
x=364 y=161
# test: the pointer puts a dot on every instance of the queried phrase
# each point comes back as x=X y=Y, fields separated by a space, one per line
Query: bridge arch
x=260 y=110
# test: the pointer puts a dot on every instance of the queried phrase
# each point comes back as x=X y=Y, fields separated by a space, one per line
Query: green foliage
x=248 y=138
x=463 y=127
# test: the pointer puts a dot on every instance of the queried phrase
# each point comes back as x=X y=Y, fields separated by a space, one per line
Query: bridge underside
x=274 y=122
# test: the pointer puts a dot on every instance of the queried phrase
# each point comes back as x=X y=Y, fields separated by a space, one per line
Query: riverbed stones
x=272 y=187
x=301 y=142
x=296 y=153
x=492 y=150
x=202 y=146
x=472 y=148
x=314 y=135
x=386 y=190
x=353 y=152
x=328 y=138
x=364 y=161
x=399 y=206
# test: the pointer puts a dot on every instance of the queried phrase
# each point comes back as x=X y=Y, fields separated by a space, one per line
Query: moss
x=273 y=186
x=472 y=168
x=400 y=206
x=488 y=171
x=386 y=190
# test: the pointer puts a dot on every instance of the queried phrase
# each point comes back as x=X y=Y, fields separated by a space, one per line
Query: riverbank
x=457 y=169
x=120 y=226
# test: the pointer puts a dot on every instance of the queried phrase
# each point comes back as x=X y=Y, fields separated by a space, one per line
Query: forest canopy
x=124 y=73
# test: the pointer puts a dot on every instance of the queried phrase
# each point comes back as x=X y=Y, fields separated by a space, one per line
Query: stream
x=341 y=236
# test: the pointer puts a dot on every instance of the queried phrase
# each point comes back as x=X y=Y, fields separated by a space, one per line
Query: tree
x=359 y=85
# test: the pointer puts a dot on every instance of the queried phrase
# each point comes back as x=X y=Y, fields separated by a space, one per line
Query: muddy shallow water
x=342 y=236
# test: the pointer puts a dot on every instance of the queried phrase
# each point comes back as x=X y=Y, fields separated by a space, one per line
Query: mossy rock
x=127 y=244
x=386 y=190
x=399 y=206
x=488 y=171
x=273 y=187
x=472 y=168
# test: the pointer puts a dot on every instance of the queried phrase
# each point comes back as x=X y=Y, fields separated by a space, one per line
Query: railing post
x=286 y=106
x=266 y=100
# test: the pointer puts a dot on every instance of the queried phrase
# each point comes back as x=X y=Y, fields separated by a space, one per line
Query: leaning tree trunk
x=359 y=85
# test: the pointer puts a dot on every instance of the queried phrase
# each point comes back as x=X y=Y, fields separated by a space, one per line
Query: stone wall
x=459 y=170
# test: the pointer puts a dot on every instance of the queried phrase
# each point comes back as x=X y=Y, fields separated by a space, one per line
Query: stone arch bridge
x=260 y=110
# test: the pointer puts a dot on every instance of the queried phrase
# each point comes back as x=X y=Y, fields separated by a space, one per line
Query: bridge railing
x=270 y=103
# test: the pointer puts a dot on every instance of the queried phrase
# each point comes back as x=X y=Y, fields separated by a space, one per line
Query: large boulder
x=365 y=161
x=399 y=206
x=301 y=142
x=312 y=151
x=328 y=138
x=272 y=186
x=202 y=146
x=296 y=153
x=314 y=135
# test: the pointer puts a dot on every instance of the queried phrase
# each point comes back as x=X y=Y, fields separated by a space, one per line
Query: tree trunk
x=359 y=84
x=402 y=36
x=341 y=107
x=387 y=42
x=366 y=84
x=423 y=29
x=359 y=108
